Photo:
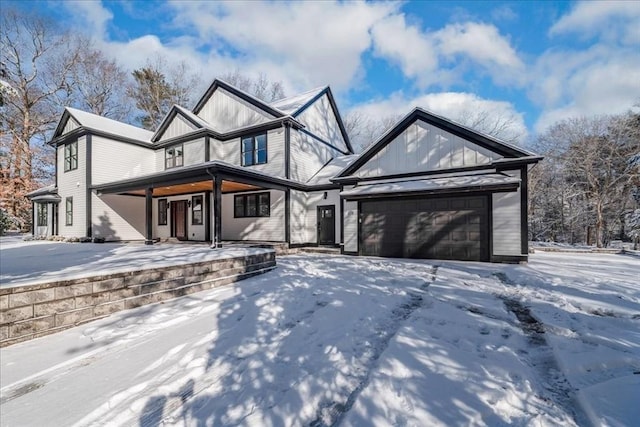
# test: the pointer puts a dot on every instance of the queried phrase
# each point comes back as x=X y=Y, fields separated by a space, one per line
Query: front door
x=326 y=225
x=179 y=219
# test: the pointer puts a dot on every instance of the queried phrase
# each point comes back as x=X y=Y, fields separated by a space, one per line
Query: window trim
x=244 y=198
x=174 y=157
x=70 y=160
x=162 y=212
x=254 y=149
x=42 y=216
x=68 y=213
x=193 y=209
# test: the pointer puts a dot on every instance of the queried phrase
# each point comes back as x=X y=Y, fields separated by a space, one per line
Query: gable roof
x=486 y=141
x=293 y=105
x=103 y=124
x=256 y=102
x=331 y=169
x=183 y=112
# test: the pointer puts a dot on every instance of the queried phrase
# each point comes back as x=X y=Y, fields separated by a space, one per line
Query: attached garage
x=452 y=228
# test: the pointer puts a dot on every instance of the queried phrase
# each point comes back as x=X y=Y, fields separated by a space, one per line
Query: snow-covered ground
x=330 y=340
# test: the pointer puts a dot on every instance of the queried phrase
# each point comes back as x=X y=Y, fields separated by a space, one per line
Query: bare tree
x=363 y=130
x=260 y=87
x=37 y=62
x=494 y=123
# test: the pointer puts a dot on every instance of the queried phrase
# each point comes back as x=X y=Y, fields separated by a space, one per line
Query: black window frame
x=68 y=212
x=254 y=149
x=163 y=207
x=200 y=221
x=71 y=156
x=172 y=162
x=42 y=214
x=242 y=204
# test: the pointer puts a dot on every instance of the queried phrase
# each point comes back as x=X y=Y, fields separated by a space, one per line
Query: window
x=42 y=215
x=173 y=157
x=196 y=210
x=252 y=205
x=71 y=156
x=162 y=211
x=68 y=213
x=254 y=150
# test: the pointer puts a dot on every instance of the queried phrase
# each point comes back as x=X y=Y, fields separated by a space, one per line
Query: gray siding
x=73 y=184
x=268 y=228
x=229 y=151
x=225 y=111
x=308 y=156
x=115 y=160
x=423 y=147
x=507 y=222
x=117 y=217
x=178 y=126
x=350 y=226
x=320 y=120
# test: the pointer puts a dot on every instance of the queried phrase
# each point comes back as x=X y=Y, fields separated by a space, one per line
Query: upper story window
x=173 y=156
x=71 y=156
x=254 y=150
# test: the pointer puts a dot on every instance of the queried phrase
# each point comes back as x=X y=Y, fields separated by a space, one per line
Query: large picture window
x=252 y=205
x=42 y=215
x=254 y=150
x=196 y=210
x=173 y=156
x=68 y=212
x=162 y=211
x=71 y=156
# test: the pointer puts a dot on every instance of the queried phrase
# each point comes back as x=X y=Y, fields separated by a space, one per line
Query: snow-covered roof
x=331 y=169
x=430 y=184
x=291 y=104
x=93 y=121
x=49 y=189
x=193 y=117
x=47 y=194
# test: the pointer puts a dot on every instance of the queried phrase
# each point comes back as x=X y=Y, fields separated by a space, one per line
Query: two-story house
x=238 y=169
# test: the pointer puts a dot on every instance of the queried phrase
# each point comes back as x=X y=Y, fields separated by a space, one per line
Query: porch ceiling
x=195 y=187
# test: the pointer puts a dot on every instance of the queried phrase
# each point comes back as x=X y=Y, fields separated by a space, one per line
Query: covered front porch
x=211 y=202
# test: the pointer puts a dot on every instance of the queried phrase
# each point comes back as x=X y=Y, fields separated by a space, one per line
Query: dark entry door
x=179 y=219
x=326 y=225
x=441 y=228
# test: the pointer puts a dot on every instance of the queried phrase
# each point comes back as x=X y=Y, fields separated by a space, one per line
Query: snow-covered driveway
x=353 y=341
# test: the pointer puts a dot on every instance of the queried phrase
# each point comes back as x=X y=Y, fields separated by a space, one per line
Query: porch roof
x=48 y=194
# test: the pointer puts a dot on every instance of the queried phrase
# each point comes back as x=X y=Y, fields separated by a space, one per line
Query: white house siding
x=298 y=217
x=350 y=226
x=308 y=156
x=225 y=111
x=115 y=160
x=320 y=120
x=178 y=126
x=70 y=125
x=507 y=222
x=193 y=152
x=261 y=228
x=423 y=147
x=314 y=200
x=117 y=217
x=229 y=151
x=73 y=184
x=194 y=232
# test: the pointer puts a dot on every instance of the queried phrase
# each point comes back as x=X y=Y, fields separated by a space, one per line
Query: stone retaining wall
x=31 y=311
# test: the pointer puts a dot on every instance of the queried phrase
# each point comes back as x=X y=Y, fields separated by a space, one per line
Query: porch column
x=207 y=216
x=287 y=215
x=217 y=212
x=148 y=220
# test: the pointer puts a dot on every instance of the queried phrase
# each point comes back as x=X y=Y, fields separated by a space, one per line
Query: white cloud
x=612 y=20
x=504 y=13
x=92 y=14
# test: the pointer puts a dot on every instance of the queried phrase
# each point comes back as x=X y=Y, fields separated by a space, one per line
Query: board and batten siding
x=179 y=126
x=424 y=147
x=229 y=151
x=118 y=217
x=320 y=120
x=308 y=156
x=70 y=125
x=224 y=112
x=194 y=232
x=115 y=160
x=507 y=221
x=350 y=226
x=259 y=228
x=73 y=184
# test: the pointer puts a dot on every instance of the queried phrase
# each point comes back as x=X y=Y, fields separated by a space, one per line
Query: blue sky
x=534 y=62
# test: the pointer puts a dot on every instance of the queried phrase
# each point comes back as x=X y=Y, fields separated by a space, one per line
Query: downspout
x=217 y=212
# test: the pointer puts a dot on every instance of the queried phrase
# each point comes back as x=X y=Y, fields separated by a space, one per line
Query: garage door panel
x=441 y=228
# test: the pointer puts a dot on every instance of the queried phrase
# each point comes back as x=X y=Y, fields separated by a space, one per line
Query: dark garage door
x=438 y=228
